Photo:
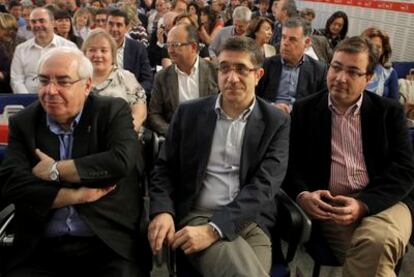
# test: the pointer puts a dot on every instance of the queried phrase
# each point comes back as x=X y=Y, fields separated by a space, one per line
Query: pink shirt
x=348 y=170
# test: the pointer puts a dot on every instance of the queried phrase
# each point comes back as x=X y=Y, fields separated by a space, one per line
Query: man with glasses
x=70 y=170
x=190 y=77
x=222 y=163
x=351 y=165
x=27 y=55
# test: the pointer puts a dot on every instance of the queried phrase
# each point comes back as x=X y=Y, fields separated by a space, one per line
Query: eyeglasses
x=175 y=45
x=62 y=82
x=351 y=72
x=238 y=68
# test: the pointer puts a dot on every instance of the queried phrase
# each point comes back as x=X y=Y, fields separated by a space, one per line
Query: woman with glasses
x=384 y=82
x=109 y=80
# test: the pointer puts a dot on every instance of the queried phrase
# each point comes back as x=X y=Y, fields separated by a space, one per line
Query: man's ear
x=88 y=86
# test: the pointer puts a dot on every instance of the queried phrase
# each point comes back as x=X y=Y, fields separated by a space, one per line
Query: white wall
x=399 y=25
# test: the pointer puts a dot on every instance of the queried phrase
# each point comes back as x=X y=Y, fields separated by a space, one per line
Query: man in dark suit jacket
x=351 y=165
x=134 y=54
x=70 y=167
x=167 y=92
x=221 y=165
x=292 y=75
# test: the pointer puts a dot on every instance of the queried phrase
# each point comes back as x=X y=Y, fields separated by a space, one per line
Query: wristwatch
x=54 y=173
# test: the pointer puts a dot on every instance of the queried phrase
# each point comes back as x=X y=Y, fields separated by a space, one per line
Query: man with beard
x=190 y=77
x=292 y=74
x=27 y=55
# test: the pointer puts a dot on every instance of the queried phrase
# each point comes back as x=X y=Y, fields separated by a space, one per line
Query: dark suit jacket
x=136 y=60
x=104 y=152
x=312 y=78
x=164 y=95
x=179 y=172
x=386 y=146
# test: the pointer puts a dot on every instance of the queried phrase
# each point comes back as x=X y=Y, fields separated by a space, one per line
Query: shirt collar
x=355 y=109
x=301 y=61
x=194 y=69
x=222 y=115
x=53 y=42
x=57 y=129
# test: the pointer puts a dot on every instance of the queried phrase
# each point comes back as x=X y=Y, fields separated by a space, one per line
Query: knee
x=377 y=239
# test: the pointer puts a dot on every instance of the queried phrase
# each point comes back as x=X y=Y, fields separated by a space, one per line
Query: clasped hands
x=190 y=239
x=322 y=205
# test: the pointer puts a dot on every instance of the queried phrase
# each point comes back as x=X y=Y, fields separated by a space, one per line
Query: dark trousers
x=75 y=256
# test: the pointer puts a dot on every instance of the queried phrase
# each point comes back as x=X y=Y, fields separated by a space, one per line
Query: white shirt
x=188 y=85
x=120 y=54
x=310 y=52
x=25 y=60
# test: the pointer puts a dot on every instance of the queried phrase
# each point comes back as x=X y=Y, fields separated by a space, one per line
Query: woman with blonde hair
x=109 y=80
x=8 y=42
x=82 y=23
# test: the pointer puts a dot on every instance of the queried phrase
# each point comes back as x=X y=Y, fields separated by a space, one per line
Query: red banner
x=381 y=5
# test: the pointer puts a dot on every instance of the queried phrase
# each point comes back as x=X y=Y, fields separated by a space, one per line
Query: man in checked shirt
x=351 y=165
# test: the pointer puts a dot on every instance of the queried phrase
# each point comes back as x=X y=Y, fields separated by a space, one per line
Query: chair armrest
x=6 y=216
x=294 y=226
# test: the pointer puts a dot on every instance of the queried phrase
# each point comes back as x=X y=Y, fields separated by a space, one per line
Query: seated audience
x=109 y=80
x=260 y=29
x=136 y=31
x=224 y=158
x=351 y=166
x=64 y=28
x=27 y=54
x=335 y=29
x=384 y=81
x=101 y=17
x=155 y=15
x=282 y=10
x=292 y=74
x=157 y=51
x=241 y=18
x=70 y=171
x=210 y=25
x=81 y=23
x=189 y=77
x=8 y=42
x=263 y=9
x=194 y=11
x=131 y=54
x=26 y=31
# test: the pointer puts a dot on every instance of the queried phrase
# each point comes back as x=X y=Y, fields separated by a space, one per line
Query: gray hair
x=85 y=68
x=49 y=12
x=242 y=13
x=296 y=22
x=290 y=7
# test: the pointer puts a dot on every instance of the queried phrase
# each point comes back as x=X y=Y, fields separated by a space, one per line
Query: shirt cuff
x=217 y=229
